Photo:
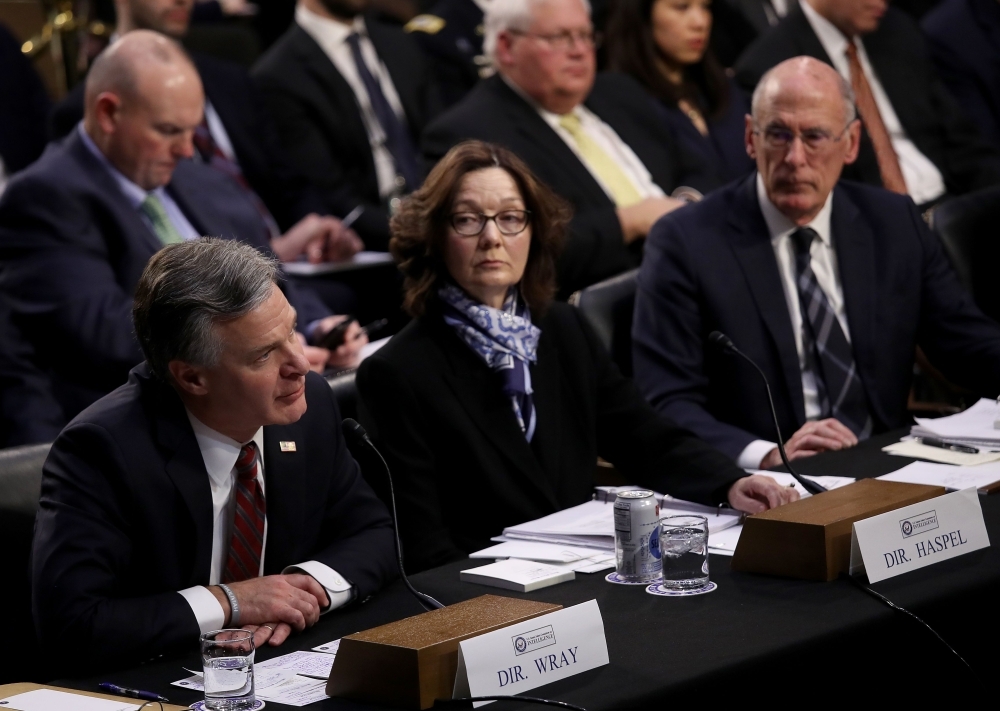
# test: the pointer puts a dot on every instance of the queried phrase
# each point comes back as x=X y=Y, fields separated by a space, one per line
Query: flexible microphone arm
x=721 y=340
x=355 y=433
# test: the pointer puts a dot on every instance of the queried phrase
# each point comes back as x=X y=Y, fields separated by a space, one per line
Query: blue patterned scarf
x=504 y=338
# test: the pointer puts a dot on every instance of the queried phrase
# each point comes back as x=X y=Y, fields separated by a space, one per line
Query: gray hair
x=504 y=15
x=846 y=93
x=187 y=288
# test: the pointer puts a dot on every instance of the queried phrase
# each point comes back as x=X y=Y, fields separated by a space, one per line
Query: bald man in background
x=78 y=227
x=828 y=285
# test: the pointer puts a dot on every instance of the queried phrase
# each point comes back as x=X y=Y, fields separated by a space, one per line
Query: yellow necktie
x=623 y=190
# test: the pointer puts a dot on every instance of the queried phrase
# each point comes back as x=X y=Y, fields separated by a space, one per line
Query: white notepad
x=518 y=575
x=52 y=700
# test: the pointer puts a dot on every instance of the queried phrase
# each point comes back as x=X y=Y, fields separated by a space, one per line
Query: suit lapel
x=809 y=43
x=284 y=491
x=755 y=254
x=478 y=391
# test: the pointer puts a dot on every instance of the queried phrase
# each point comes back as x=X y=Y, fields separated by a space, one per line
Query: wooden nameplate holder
x=412 y=662
x=810 y=539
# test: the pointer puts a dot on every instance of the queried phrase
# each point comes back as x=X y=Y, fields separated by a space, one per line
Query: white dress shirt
x=331 y=36
x=218 y=131
x=220 y=454
x=924 y=181
x=824 y=267
x=136 y=195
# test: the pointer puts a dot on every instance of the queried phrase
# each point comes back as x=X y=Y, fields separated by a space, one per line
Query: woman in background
x=664 y=45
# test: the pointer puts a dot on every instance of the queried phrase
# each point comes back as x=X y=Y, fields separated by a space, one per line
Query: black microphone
x=721 y=340
x=356 y=434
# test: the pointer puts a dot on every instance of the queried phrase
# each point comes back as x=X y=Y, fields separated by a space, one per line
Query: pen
x=941 y=444
x=352 y=216
x=132 y=693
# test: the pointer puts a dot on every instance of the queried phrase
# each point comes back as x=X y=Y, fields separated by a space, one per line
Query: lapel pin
x=287 y=446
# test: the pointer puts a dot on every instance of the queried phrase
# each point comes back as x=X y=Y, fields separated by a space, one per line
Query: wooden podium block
x=810 y=539
x=412 y=662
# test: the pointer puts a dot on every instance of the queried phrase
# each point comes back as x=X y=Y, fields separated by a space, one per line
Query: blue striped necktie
x=841 y=392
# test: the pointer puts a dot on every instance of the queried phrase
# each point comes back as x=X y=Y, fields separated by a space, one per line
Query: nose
x=184 y=146
x=490 y=236
x=796 y=152
x=296 y=365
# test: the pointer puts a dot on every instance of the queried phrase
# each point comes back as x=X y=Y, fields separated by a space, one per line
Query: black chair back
x=607 y=306
x=346 y=393
x=969 y=229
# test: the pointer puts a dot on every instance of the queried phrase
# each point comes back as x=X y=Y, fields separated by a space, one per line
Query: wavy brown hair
x=420 y=226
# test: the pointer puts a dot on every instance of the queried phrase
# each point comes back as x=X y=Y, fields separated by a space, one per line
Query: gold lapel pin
x=287 y=446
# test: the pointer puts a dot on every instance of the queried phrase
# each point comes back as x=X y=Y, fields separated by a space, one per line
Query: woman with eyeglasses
x=664 y=44
x=492 y=405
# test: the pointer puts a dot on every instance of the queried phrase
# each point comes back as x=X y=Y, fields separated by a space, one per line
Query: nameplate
x=533 y=653
x=918 y=535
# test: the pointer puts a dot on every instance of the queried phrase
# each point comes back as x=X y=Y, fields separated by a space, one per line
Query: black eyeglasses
x=472 y=224
x=566 y=40
x=815 y=140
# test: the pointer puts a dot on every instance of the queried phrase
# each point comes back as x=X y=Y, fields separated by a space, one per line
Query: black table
x=785 y=642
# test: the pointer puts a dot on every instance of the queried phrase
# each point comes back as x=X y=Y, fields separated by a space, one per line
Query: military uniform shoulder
x=428 y=24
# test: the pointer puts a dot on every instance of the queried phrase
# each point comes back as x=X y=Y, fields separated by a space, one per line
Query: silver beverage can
x=637 y=536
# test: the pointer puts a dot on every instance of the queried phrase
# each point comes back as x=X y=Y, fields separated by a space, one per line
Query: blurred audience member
x=24 y=104
x=236 y=137
x=731 y=33
x=491 y=377
x=964 y=41
x=350 y=95
x=77 y=227
x=763 y=14
x=916 y=139
x=664 y=45
x=604 y=145
x=451 y=33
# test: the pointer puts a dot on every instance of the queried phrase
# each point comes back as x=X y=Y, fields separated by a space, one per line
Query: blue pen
x=131 y=693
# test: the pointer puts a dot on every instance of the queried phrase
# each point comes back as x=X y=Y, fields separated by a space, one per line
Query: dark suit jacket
x=929 y=115
x=72 y=249
x=288 y=194
x=319 y=120
x=595 y=250
x=964 y=41
x=463 y=468
x=711 y=267
x=127 y=478
x=23 y=105
x=451 y=35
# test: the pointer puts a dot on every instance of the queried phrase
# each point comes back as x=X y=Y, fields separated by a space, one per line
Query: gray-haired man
x=204 y=480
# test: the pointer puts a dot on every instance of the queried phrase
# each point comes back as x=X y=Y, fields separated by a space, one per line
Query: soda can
x=637 y=536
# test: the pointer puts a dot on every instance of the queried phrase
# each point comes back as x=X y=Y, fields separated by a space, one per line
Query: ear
x=854 y=141
x=189 y=378
x=748 y=137
x=505 y=44
x=106 y=110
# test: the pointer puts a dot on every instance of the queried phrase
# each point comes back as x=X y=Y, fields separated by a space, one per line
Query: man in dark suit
x=964 y=41
x=451 y=34
x=207 y=494
x=236 y=136
x=350 y=95
x=829 y=286
x=77 y=228
x=764 y=14
x=916 y=139
x=23 y=106
x=601 y=144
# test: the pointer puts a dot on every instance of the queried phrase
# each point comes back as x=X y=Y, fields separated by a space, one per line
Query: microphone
x=356 y=434
x=724 y=342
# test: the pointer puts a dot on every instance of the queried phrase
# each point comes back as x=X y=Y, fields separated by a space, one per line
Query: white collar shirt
x=136 y=195
x=332 y=36
x=924 y=181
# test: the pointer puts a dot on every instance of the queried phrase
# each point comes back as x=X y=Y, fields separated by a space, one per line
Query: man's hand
x=637 y=220
x=757 y=493
x=348 y=354
x=813 y=438
x=273 y=633
x=295 y=600
x=320 y=238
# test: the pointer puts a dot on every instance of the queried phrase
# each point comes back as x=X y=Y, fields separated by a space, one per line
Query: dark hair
x=420 y=225
x=186 y=288
x=632 y=50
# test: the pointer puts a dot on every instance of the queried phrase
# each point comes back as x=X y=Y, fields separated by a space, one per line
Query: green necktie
x=623 y=190
x=153 y=209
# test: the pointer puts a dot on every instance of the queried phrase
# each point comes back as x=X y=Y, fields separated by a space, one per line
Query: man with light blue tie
x=78 y=227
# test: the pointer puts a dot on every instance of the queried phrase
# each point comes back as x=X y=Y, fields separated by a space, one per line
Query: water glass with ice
x=684 y=547
x=227 y=658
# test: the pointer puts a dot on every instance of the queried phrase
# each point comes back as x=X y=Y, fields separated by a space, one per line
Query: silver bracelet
x=234 y=616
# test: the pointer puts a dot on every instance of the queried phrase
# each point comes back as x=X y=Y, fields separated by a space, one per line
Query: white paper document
x=946 y=475
x=329 y=648
x=724 y=542
x=52 y=700
x=361 y=260
x=518 y=575
x=536 y=550
x=830 y=482
x=313 y=664
x=976 y=425
x=294 y=679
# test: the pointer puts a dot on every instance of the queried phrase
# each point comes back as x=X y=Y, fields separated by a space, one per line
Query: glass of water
x=684 y=547
x=227 y=658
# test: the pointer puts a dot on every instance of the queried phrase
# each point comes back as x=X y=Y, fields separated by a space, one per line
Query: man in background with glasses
x=828 y=285
x=599 y=141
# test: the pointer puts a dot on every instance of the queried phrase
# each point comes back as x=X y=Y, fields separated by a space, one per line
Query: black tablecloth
x=783 y=642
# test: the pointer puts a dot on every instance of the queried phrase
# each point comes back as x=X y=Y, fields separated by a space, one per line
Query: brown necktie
x=885 y=154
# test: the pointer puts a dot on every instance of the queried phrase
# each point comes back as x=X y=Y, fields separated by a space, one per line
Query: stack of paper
x=517 y=575
x=976 y=427
x=576 y=558
x=985 y=477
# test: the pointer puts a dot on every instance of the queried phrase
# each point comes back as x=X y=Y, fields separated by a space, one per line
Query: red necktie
x=247 y=544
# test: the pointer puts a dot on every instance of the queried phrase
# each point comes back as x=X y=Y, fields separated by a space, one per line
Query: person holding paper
x=492 y=406
x=203 y=494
